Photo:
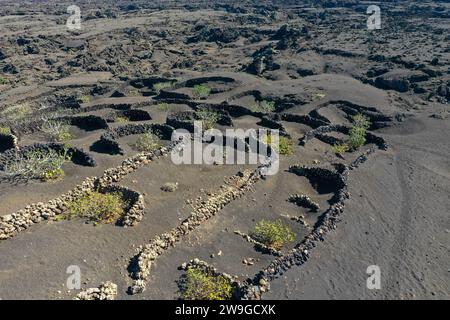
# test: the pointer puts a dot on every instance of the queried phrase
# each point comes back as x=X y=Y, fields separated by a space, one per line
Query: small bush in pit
x=57 y=131
x=208 y=117
x=16 y=112
x=199 y=285
x=53 y=174
x=274 y=234
x=147 y=142
x=3 y=80
x=84 y=99
x=358 y=131
x=284 y=147
x=201 y=91
x=5 y=131
x=263 y=106
x=318 y=95
x=357 y=135
x=340 y=148
x=134 y=93
x=43 y=165
x=121 y=120
x=163 y=107
x=361 y=121
x=97 y=207
x=162 y=85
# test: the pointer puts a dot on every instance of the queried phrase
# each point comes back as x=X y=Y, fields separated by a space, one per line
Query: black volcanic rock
x=287 y=31
x=400 y=79
x=288 y=36
x=10 y=68
x=22 y=41
x=117 y=94
x=397 y=84
x=32 y=49
x=214 y=35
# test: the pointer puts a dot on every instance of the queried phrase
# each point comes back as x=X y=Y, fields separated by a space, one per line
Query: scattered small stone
x=249 y=261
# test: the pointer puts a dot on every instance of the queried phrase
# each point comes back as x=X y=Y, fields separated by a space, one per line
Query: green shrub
x=84 y=99
x=274 y=234
x=199 y=285
x=361 y=121
x=16 y=112
x=97 y=207
x=57 y=131
x=207 y=117
x=162 y=85
x=43 y=165
x=5 y=131
x=263 y=106
x=201 y=91
x=147 y=142
x=340 y=148
x=134 y=93
x=357 y=137
x=163 y=107
x=3 y=80
x=285 y=145
x=53 y=174
x=120 y=119
x=358 y=131
x=318 y=95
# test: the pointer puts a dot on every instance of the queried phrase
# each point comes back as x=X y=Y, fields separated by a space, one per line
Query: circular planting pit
x=341 y=112
x=29 y=162
x=209 y=117
x=131 y=115
x=259 y=103
x=109 y=144
x=198 y=88
x=112 y=204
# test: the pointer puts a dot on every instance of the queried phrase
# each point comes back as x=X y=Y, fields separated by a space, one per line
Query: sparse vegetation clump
x=133 y=93
x=162 y=85
x=3 y=80
x=340 y=148
x=357 y=135
x=85 y=99
x=57 y=131
x=318 y=95
x=5 y=131
x=147 y=142
x=120 y=119
x=97 y=207
x=208 y=117
x=358 y=131
x=263 y=106
x=285 y=145
x=163 y=107
x=16 y=112
x=42 y=165
x=201 y=91
x=200 y=285
x=274 y=234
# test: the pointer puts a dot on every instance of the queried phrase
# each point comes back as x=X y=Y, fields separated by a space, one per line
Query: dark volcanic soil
x=133 y=67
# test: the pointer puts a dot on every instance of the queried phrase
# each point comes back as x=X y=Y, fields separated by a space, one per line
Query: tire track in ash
x=404 y=173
